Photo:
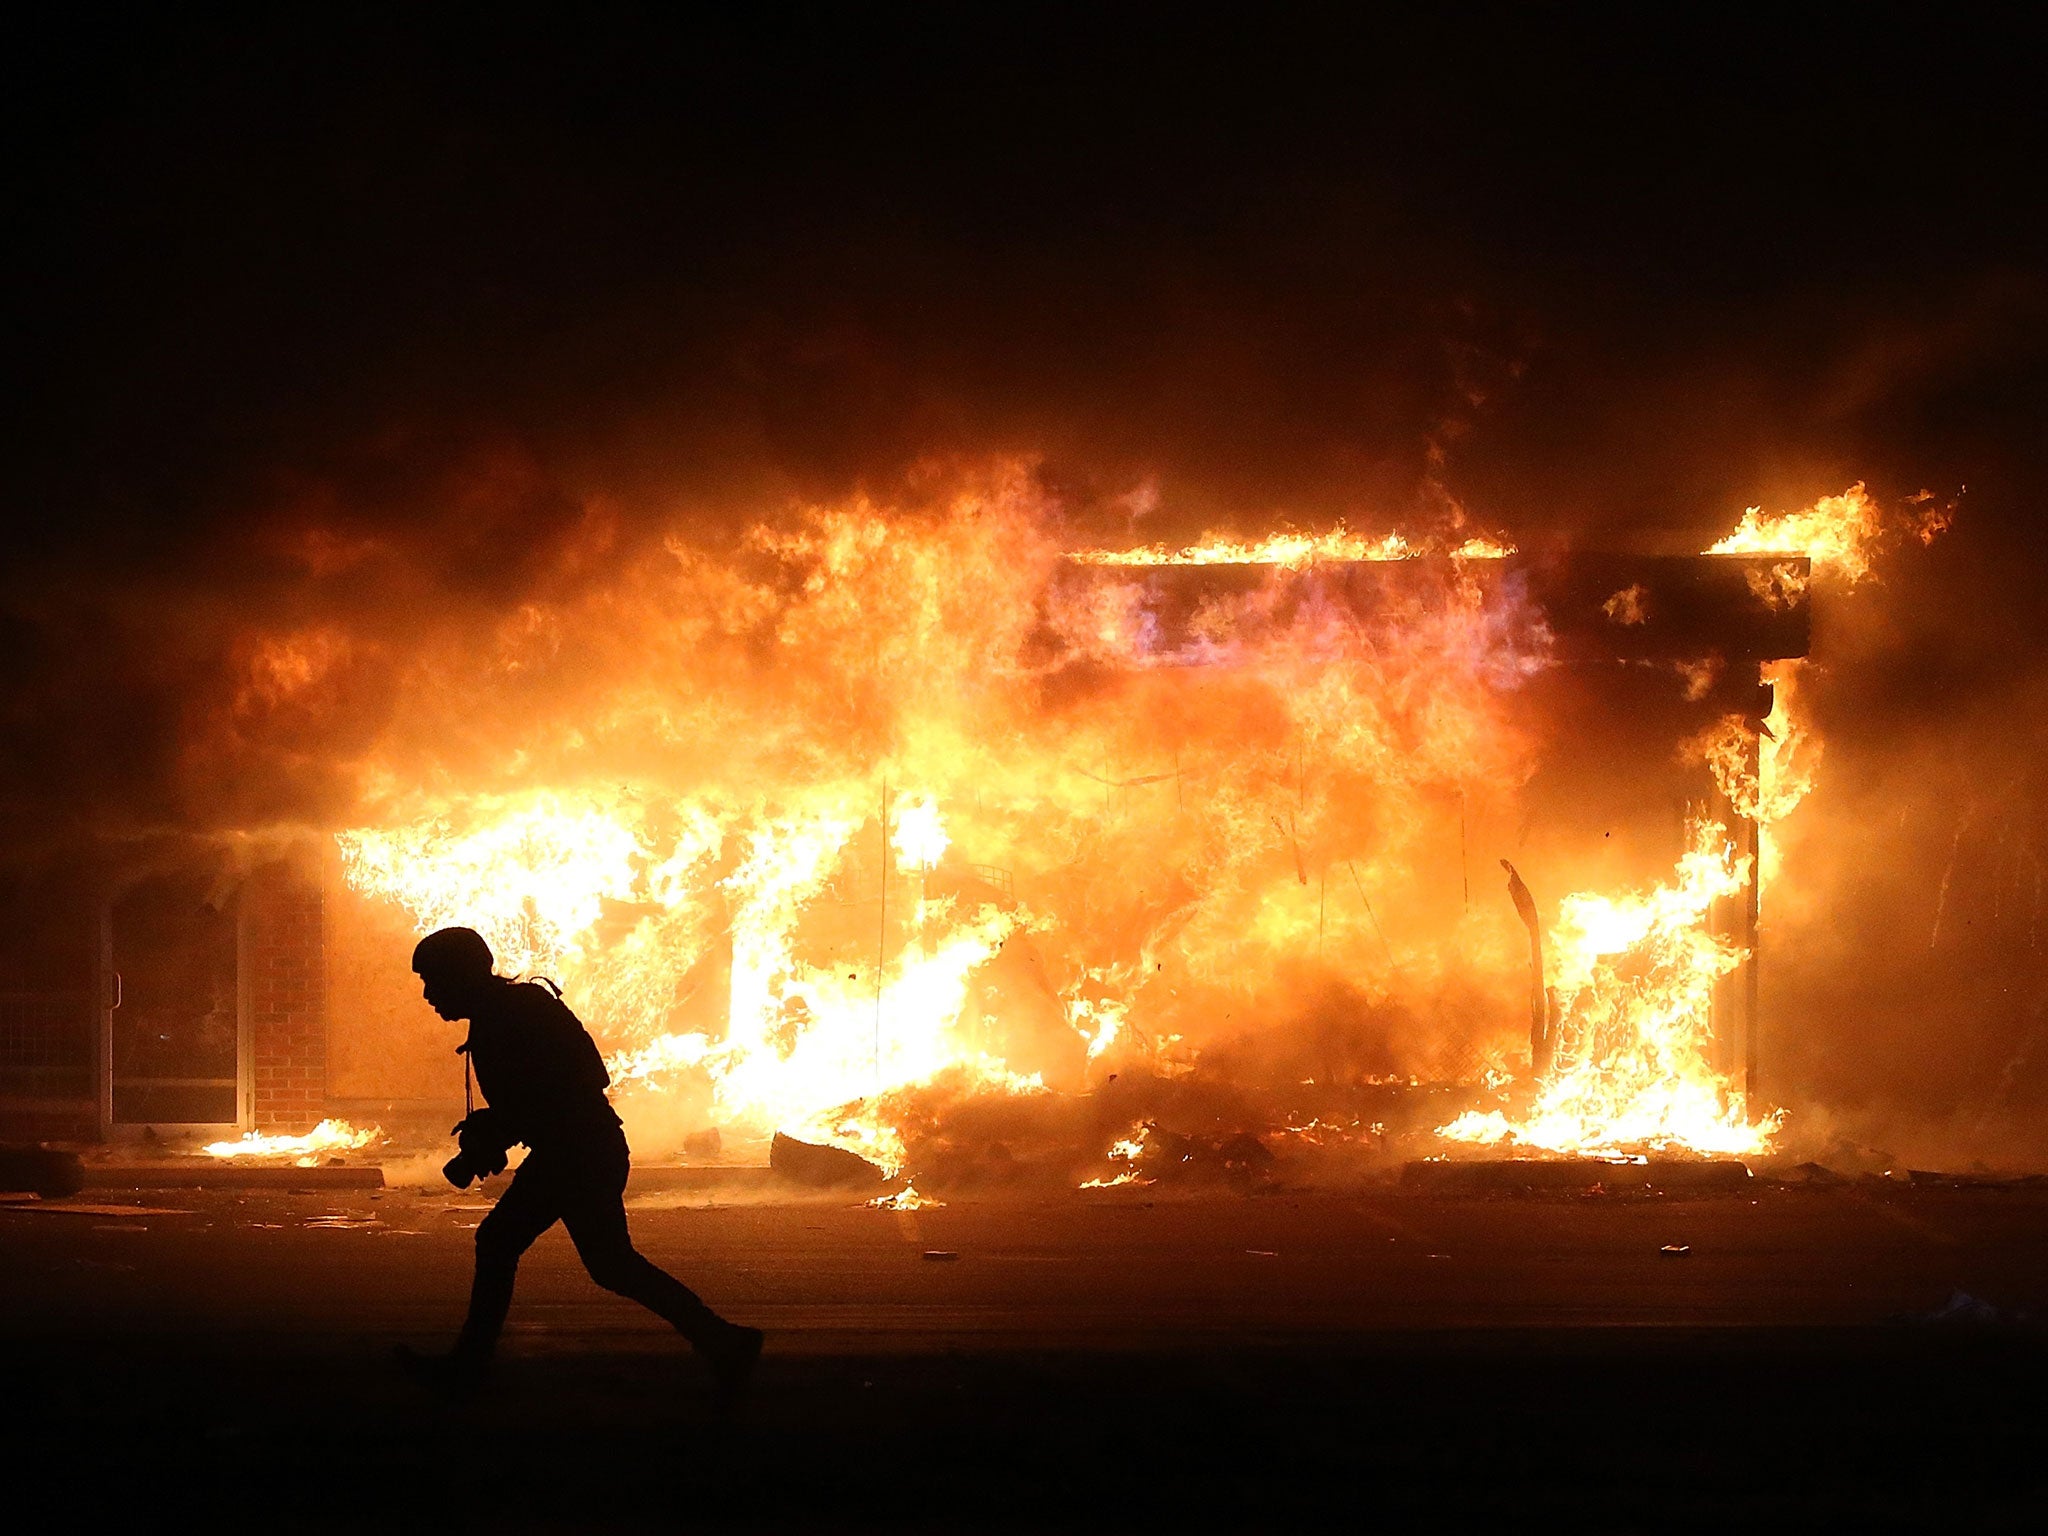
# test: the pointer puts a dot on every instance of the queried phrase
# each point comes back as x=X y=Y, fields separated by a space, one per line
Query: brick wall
x=285 y=966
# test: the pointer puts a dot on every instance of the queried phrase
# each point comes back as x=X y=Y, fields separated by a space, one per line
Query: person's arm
x=484 y=1141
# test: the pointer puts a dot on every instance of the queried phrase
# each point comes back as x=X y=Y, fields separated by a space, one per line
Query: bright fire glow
x=1764 y=774
x=326 y=1139
x=906 y=1199
x=878 y=811
x=919 y=836
x=1634 y=979
x=1123 y=1158
x=1839 y=534
x=1290 y=550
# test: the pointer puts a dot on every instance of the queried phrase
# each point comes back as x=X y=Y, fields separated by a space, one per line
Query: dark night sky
x=1687 y=265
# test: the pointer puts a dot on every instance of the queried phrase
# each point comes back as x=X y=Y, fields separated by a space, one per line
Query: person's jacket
x=538 y=1068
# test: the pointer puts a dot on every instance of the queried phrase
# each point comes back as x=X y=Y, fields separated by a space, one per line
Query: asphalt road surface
x=1859 y=1357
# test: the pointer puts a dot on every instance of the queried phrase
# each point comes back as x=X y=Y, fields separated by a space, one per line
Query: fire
x=1633 y=977
x=1839 y=534
x=1123 y=1157
x=1634 y=985
x=324 y=1140
x=920 y=837
x=1764 y=774
x=805 y=1037
x=531 y=874
x=1292 y=551
x=906 y=1199
x=879 y=807
x=874 y=811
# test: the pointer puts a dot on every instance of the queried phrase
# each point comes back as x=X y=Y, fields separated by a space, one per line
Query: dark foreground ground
x=1847 y=1358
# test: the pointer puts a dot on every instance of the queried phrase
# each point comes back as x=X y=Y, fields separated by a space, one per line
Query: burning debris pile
x=879 y=817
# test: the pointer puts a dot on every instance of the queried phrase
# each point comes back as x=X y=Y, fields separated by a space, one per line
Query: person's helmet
x=456 y=953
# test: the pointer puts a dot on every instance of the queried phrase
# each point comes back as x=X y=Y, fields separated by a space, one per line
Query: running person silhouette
x=544 y=1085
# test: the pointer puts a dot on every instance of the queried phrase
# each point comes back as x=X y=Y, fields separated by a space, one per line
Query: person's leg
x=523 y=1212
x=596 y=1218
x=594 y=1210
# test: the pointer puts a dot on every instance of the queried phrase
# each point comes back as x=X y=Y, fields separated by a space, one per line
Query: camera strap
x=468 y=1081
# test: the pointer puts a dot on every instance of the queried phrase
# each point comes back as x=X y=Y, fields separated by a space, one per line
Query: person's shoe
x=454 y=1375
x=731 y=1354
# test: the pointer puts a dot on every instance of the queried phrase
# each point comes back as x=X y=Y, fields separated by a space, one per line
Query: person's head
x=454 y=967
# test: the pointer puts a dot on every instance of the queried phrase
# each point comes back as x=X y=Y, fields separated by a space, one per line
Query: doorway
x=176 y=1051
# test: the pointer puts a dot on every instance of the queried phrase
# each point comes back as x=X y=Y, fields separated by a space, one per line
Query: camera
x=481 y=1151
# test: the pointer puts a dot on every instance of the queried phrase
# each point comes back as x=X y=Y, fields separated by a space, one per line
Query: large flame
x=1841 y=534
x=1633 y=978
x=882 y=804
x=879 y=806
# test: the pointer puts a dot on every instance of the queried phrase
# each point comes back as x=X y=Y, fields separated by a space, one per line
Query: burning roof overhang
x=1597 y=607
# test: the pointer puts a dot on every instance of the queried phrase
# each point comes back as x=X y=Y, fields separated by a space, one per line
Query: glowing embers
x=1124 y=1157
x=1292 y=550
x=327 y=1139
x=1150 y=1154
x=1633 y=978
x=905 y=1199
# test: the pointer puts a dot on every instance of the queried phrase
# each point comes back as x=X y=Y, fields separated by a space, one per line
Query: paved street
x=1097 y=1361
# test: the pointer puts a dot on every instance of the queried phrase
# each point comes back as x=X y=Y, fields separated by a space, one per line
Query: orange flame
x=1634 y=980
x=1292 y=551
x=1634 y=976
x=1839 y=534
x=324 y=1140
x=879 y=804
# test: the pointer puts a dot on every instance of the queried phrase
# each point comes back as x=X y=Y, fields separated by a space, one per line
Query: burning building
x=937 y=839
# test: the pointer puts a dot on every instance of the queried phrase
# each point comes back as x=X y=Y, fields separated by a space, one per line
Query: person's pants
x=583 y=1186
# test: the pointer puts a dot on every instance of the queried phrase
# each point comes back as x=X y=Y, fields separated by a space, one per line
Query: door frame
x=110 y=999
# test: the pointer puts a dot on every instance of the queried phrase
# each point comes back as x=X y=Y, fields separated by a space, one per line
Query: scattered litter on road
x=939 y=1255
x=1676 y=1250
x=335 y=1221
x=1262 y=1253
